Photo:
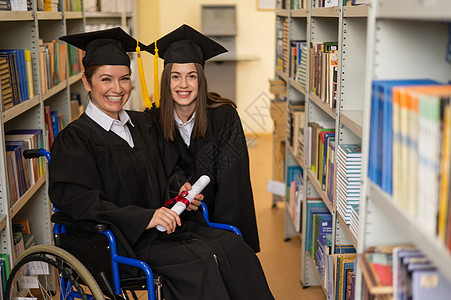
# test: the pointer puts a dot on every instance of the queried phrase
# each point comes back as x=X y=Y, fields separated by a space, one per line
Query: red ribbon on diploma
x=179 y=198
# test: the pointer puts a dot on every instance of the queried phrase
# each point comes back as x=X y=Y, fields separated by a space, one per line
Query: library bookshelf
x=383 y=40
x=30 y=30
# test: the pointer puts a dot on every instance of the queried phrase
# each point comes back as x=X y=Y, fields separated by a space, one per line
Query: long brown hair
x=204 y=101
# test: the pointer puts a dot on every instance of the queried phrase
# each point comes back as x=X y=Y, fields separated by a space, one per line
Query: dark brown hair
x=204 y=101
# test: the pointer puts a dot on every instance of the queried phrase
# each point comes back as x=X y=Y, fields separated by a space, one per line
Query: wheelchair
x=83 y=263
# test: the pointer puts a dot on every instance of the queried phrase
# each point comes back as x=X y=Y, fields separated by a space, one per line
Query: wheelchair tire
x=38 y=272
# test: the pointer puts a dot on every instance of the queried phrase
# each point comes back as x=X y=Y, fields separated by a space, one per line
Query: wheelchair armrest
x=62 y=219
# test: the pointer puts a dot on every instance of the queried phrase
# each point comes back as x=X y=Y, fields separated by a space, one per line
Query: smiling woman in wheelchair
x=111 y=166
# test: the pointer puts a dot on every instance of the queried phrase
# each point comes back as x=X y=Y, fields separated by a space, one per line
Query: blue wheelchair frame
x=115 y=257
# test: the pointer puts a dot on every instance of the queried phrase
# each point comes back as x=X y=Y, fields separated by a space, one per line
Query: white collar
x=103 y=119
x=180 y=123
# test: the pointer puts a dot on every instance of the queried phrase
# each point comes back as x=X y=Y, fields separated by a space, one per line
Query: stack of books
x=349 y=167
x=16 y=77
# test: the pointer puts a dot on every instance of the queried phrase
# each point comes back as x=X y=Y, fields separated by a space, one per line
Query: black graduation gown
x=222 y=154
x=96 y=176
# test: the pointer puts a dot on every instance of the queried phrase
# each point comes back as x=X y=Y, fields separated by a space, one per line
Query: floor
x=281 y=260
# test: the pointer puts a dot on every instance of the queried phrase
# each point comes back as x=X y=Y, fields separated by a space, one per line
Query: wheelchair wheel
x=39 y=274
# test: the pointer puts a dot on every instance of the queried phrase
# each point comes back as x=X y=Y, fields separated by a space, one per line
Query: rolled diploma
x=196 y=189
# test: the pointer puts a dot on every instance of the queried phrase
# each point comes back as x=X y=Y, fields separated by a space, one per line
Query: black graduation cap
x=186 y=45
x=109 y=47
x=104 y=47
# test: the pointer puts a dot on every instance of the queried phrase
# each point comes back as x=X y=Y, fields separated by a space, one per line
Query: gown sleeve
x=77 y=187
x=234 y=202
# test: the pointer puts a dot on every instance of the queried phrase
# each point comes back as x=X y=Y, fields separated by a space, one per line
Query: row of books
x=325 y=3
x=16 y=5
x=298 y=4
x=74 y=57
x=49 y=5
x=16 y=76
x=72 y=5
x=5 y=269
x=109 y=6
x=22 y=173
x=401 y=272
x=349 y=170
x=42 y=5
x=282 y=45
x=296 y=195
x=380 y=169
x=302 y=4
x=53 y=123
x=23 y=238
x=53 y=60
x=322 y=137
x=296 y=120
x=299 y=57
x=335 y=268
x=355 y=2
x=324 y=71
x=415 y=139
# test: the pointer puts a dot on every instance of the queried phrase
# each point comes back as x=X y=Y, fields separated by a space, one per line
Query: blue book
x=19 y=55
x=292 y=174
x=374 y=134
x=430 y=284
x=17 y=148
x=55 y=122
x=387 y=128
x=327 y=137
x=314 y=206
x=381 y=124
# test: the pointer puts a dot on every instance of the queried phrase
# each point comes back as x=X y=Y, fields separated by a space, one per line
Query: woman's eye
x=175 y=77
x=193 y=76
x=106 y=79
x=125 y=78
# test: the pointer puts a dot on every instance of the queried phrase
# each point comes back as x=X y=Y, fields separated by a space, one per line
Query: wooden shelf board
x=73 y=15
x=20 y=108
x=75 y=78
x=298 y=86
x=328 y=12
x=16 y=16
x=353 y=120
x=298 y=160
x=103 y=15
x=27 y=196
x=282 y=12
x=2 y=221
x=312 y=262
x=55 y=90
x=323 y=105
x=417 y=10
x=320 y=191
x=429 y=245
x=299 y=13
x=347 y=230
x=282 y=75
x=49 y=15
x=356 y=11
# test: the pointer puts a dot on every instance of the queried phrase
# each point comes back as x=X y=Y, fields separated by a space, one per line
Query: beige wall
x=255 y=37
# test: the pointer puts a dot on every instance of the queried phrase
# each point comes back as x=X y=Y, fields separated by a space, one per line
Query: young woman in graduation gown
x=110 y=166
x=205 y=129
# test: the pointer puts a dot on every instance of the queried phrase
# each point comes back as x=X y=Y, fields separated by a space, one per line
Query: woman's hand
x=166 y=218
x=194 y=205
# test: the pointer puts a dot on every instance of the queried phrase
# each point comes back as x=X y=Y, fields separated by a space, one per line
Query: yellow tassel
x=145 y=93
x=155 y=76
